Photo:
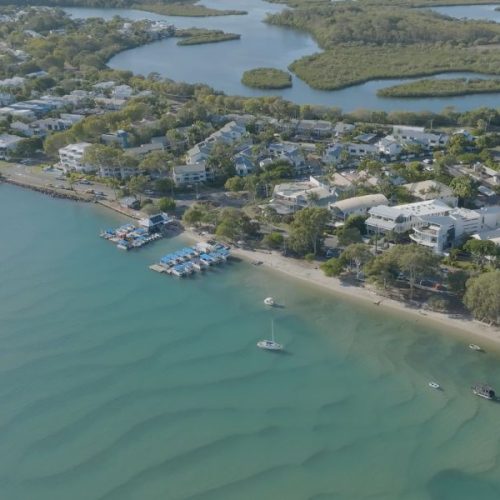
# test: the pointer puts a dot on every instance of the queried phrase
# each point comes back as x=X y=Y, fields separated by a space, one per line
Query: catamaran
x=270 y=345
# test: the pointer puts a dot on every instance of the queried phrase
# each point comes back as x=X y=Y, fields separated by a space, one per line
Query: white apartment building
x=71 y=158
x=358 y=205
x=442 y=232
x=402 y=218
x=196 y=173
x=118 y=172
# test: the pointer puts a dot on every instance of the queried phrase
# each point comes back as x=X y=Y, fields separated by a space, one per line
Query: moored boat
x=434 y=385
x=475 y=347
x=270 y=345
x=269 y=301
x=484 y=391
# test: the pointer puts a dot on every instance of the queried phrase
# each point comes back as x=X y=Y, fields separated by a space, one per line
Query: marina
x=129 y=236
x=189 y=260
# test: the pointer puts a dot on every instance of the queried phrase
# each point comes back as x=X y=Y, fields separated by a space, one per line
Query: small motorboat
x=434 y=385
x=474 y=347
x=484 y=391
x=269 y=301
x=270 y=345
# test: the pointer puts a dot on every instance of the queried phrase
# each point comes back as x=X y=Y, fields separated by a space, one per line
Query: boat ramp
x=189 y=260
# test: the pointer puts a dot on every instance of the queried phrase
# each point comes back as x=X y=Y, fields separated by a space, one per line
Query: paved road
x=35 y=176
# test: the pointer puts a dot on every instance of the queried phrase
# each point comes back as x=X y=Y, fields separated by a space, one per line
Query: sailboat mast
x=272 y=330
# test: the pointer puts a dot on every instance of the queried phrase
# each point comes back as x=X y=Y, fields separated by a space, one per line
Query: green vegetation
x=443 y=88
x=349 y=65
x=166 y=204
x=365 y=41
x=482 y=296
x=306 y=230
x=199 y=36
x=267 y=78
x=185 y=8
x=188 y=8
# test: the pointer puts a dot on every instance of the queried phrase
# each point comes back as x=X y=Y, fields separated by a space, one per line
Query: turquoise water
x=265 y=45
x=118 y=383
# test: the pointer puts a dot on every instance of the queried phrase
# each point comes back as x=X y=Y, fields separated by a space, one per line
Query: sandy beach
x=310 y=273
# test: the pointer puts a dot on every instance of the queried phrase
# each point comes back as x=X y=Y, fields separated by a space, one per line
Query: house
x=316 y=129
x=490 y=176
x=342 y=128
x=230 y=133
x=292 y=196
x=155 y=223
x=432 y=190
x=122 y=92
x=8 y=144
x=104 y=85
x=243 y=165
x=145 y=149
x=6 y=98
x=21 y=114
x=120 y=138
x=130 y=202
x=359 y=205
x=402 y=218
x=118 y=171
x=440 y=233
x=23 y=128
x=289 y=152
x=14 y=82
x=71 y=158
x=418 y=135
x=361 y=149
x=333 y=154
x=198 y=153
x=389 y=146
x=196 y=173
x=111 y=103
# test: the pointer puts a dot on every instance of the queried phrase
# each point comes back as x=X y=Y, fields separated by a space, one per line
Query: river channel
x=221 y=65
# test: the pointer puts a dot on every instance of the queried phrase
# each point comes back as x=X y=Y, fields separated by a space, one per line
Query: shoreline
x=311 y=274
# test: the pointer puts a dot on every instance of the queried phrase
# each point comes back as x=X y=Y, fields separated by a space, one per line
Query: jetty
x=189 y=260
x=130 y=236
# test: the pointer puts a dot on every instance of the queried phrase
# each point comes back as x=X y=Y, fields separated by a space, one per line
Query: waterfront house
x=403 y=218
x=342 y=128
x=71 y=158
x=155 y=223
x=418 y=135
x=118 y=171
x=289 y=197
x=130 y=202
x=441 y=233
x=8 y=144
x=196 y=173
x=358 y=205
